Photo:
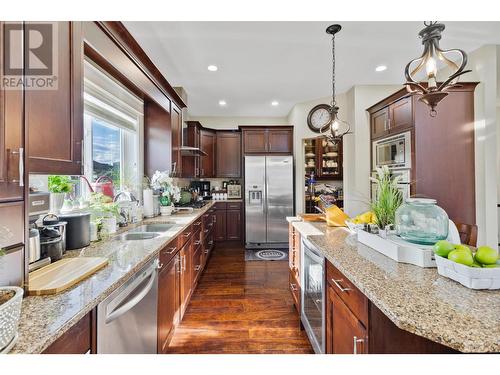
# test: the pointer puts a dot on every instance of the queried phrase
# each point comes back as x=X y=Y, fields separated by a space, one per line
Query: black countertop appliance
x=77 y=230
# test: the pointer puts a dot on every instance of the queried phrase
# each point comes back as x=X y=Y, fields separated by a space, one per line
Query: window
x=113 y=131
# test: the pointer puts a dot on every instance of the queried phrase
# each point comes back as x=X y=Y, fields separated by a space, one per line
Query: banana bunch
x=365 y=218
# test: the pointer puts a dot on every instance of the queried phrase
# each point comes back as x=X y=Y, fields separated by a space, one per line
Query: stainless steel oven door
x=394 y=152
x=313 y=296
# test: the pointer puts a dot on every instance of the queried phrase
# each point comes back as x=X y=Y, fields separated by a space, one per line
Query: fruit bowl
x=471 y=277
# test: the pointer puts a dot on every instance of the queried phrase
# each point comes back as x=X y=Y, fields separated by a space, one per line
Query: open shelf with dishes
x=323 y=158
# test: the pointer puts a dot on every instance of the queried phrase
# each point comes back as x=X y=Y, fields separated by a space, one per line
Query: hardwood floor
x=241 y=307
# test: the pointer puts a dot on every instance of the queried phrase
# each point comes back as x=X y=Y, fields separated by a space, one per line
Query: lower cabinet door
x=186 y=255
x=168 y=302
x=220 y=225
x=233 y=225
x=345 y=334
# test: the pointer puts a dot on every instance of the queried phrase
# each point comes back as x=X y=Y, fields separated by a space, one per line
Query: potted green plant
x=387 y=199
x=59 y=186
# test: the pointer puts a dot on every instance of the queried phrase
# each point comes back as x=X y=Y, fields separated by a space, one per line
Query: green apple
x=476 y=264
x=486 y=255
x=491 y=265
x=443 y=248
x=463 y=247
x=461 y=256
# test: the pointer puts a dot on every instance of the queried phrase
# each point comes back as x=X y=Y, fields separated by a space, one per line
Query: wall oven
x=393 y=152
x=403 y=183
x=312 y=312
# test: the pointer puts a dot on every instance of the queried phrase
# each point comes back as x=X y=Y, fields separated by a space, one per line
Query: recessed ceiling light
x=222 y=103
x=212 y=68
x=380 y=68
x=274 y=103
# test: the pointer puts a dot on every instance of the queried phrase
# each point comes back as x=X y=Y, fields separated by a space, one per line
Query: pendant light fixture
x=337 y=128
x=433 y=92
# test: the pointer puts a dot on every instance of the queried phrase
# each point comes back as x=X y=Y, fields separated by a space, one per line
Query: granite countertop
x=46 y=318
x=416 y=299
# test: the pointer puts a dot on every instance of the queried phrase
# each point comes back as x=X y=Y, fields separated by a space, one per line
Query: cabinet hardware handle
x=206 y=251
x=355 y=342
x=178 y=265
x=184 y=263
x=160 y=265
x=205 y=231
x=337 y=284
x=197 y=242
x=19 y=152
x=197 y=224
x=293 y=287
x=197 y=268
x=172 y=250
x=187 y=234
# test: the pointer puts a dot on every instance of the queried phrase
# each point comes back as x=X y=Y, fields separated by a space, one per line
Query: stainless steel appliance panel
x=393 y=151
x=255 y=199
x=279 y=183
x=312 y=312
x=12 y=266
x=127 y=318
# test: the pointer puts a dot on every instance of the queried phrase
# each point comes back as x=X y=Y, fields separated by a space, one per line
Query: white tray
x=471 y=277
x=399 y=250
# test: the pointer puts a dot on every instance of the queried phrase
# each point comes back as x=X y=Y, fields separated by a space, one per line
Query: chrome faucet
x=128 y=214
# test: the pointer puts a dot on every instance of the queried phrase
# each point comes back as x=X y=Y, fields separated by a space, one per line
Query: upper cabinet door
x=207 y=145
x=280 y=141
x=401 y=115
x=157 y=139
x=11 y=130
x=255 y=141
x=176 y=124
x=380 y=123
x=54 y=118
x=228 y=154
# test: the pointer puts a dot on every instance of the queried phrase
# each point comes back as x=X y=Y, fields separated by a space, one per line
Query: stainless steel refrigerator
x=268 y=200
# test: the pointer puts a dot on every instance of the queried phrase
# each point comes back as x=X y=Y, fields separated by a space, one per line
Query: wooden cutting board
x=312 y=217
x=63 y=274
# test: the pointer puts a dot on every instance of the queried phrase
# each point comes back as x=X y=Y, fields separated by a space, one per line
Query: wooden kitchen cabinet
x=228 y=221
x=54 y=118
x=345 y=332
x=11 y=133
x=81 y=338
x=176 y=129
x=379 y=123
x=207 y=145
x=267 y=140
x=191 y=163
x=157 y=139
x=168 y=301
x=401 y=115
x=228 y=154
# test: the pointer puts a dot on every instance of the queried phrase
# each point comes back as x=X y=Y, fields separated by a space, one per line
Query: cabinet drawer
x=233 y=205
x=169 y=251
x=197 y=262
x=184 y=236
x=352 y=297
x=197 y=224
x=220 y=206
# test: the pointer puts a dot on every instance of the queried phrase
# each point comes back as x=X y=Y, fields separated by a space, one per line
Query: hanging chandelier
x=433 y=92
x=337 y=128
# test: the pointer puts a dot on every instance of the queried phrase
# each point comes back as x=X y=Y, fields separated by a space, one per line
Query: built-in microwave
x=393 y=152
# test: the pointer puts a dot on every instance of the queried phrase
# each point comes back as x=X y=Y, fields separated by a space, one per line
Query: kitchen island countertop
x=46 y=318
x=416 y=299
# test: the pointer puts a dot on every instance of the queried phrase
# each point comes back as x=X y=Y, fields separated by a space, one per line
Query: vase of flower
x=169 y=192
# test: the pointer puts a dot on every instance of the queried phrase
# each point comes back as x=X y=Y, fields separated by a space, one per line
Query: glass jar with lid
x=421 y=221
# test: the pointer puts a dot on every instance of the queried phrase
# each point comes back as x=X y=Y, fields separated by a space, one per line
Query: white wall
x=484 y=65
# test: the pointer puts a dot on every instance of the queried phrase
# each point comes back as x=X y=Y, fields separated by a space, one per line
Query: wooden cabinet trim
x=77 y=339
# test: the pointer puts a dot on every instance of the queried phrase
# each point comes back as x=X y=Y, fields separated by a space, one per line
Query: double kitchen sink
x=146 y=232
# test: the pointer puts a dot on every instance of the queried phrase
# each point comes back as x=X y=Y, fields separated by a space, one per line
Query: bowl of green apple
x=474 y=268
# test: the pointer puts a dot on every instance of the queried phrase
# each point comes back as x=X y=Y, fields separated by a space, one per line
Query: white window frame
x=109 y=101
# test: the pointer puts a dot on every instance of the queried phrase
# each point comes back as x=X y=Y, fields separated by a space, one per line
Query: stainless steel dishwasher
x=127 y=318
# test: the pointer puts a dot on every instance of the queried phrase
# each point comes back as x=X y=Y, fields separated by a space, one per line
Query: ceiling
x=288 y=62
